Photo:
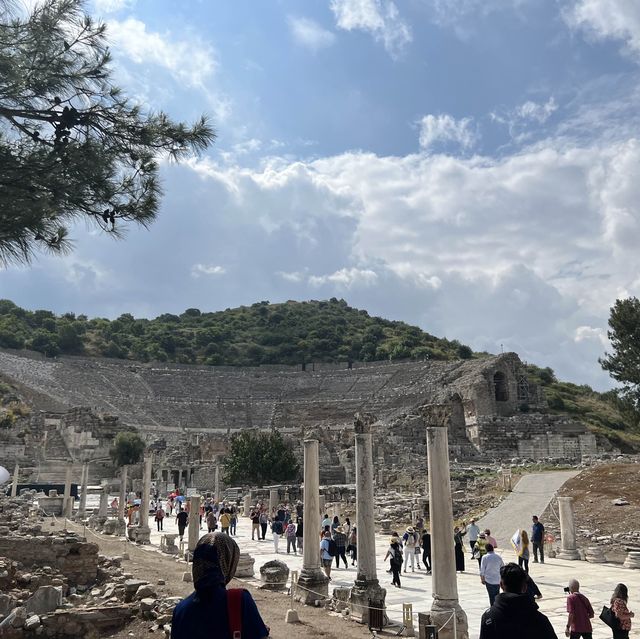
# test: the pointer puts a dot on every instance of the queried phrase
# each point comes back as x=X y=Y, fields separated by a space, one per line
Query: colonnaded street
x=597 y=581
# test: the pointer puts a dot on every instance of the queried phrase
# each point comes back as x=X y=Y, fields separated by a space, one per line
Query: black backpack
x=333 y=549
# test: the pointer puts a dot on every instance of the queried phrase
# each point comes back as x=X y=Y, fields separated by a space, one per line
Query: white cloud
x=112 y=6
x=346 y=277
x=295 y=276
x=443 y=129
x=198 y=270
x=191 y=62
x=310 y=34
x=380 y=18
x=583 y=333
x=608 y=19
x=538 y=112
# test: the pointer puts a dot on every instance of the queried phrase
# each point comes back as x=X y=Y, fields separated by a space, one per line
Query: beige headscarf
x=215 y=560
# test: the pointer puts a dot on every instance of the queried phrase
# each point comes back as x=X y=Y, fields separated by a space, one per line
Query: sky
x=469 y=166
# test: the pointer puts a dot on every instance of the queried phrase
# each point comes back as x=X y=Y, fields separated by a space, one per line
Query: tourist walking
x=300 y=534
x=255 y=525
x=233 y=521
x=353 y=545
x=212 y=522
x=473 y=530
x=290 y=533
x=325 y=522
x=480 y=548
x=225 y=521
x=410 y=539
x=490 y=573
x=182 y=518
x=619 y=600
x=340 y=540
x=325 y=553
x=277 y=530
x=523 y=553
x=537 y=539
x=334 y=524
x=426 y=551
x=215 y=560
x=459 y=551
x=200 y=515
x=580 y=613
x=160 y=518
x=394 y=554
x=490 y=539
x=347 y=527
x=264 y=521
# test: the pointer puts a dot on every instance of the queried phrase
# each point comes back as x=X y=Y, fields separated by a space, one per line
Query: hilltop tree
x=259 y=458
x=624 y=333
x=127 y=449
x=72 y=145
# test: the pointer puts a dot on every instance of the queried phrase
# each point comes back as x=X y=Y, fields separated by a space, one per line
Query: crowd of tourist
x=512 y=592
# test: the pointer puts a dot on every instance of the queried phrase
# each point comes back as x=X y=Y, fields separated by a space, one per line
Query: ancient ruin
x=188 y=413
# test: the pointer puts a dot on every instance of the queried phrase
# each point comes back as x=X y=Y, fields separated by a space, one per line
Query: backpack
x=234 y=612
x=333 y=549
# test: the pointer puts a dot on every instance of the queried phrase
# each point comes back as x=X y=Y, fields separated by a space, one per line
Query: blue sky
x=470 y=166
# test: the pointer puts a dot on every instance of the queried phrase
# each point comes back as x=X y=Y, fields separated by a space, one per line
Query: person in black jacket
x=515 y=613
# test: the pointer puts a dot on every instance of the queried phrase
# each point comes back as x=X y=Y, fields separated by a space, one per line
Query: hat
x=410 y=529
x=482 y=535
x=339 y=529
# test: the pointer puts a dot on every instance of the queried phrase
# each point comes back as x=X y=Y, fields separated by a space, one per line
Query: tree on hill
x=127 y=449
x=259 y=458
x=623 y=363
x=72 y=145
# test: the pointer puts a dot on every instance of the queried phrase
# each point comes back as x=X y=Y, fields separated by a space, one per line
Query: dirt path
x=151 y=565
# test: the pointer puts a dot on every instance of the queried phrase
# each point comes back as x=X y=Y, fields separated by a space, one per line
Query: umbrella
x=4 y=475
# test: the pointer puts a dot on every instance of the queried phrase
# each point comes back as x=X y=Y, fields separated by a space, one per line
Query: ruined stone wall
x=533 y=436
x=77 y=560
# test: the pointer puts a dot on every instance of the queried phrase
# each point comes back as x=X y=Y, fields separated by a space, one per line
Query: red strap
x=234 y=612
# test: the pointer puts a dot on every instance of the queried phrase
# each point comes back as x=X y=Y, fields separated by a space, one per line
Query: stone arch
x=500 y=386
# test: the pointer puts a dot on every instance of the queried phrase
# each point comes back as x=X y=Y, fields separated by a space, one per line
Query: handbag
x=609 y=618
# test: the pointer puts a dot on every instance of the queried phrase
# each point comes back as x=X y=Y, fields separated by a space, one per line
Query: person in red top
x=580 y=613
x=619 y=608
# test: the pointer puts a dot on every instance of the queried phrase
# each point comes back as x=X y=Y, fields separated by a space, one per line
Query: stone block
x=32 y=622
x=274 y=575
x=7 y=604
x=45 y=599
x=245 y=565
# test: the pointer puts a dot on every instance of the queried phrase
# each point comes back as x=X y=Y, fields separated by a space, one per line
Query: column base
x=441 y=616
x=313 y=586
x=571 y=555
x=139 y=535
x=361 y=592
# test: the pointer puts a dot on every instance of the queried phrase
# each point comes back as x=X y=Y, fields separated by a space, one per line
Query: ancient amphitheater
x=79 y=403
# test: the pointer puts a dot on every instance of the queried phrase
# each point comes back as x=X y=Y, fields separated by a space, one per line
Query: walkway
x=531 y=496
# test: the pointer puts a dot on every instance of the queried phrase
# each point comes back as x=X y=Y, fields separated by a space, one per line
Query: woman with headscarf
x=619 y=600
x=215 y=560
x=459 y=552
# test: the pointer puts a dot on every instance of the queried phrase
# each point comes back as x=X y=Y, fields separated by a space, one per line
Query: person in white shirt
x=490 y=573
x=473 y=530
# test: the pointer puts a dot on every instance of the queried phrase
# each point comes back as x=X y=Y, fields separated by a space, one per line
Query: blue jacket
x=537 y=532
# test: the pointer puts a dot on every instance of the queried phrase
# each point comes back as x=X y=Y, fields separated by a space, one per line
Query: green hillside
x=263 y=333
x=288 y=333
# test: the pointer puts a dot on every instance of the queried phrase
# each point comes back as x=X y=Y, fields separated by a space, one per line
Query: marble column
x=194 y=524
x=247 y=505
x=14 y=482
x=217 y=483
x=103 y=511
x=67 y=509
x=122 y=501
x=444 y=579
x=274 y=499
x=144 y=532
x=82 y=509
x=366 y=585
x=568 y=548
x=312 y=579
